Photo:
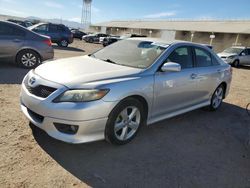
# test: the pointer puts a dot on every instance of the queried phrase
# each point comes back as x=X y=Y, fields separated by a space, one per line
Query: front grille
x=38 y=118
x=40 y=90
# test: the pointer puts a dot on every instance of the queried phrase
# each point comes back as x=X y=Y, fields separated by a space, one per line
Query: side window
x=10 y=30
x=53 y=28
x=61 y=28
x=42 y=28
x=248 y=51
x=183 y=56
x=203 y=57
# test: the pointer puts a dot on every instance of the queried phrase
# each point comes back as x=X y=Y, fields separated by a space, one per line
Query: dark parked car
x=22 y=23
x=94 y=37
x=78 y=34
x=59 y=33
x=22 y=46
x=110 y=40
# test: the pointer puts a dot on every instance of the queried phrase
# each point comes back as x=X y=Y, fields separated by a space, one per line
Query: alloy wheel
x=217 y=97
x=29 y=60
x=127 y=123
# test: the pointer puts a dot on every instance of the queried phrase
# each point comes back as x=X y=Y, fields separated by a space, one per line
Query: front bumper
x=228 y=60
x=88 y=131
x=90 y=117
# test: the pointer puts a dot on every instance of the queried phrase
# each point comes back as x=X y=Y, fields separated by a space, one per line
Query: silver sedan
x=113 y=92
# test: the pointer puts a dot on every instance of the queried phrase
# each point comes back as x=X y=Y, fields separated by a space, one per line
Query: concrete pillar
x=237 y=39
x=192 y=36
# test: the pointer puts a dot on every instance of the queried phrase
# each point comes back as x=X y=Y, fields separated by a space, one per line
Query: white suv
x=236 y=56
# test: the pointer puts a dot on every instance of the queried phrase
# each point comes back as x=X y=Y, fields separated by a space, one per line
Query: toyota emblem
x=32 y=80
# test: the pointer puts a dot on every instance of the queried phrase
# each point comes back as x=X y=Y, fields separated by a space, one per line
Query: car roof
x=160 y=40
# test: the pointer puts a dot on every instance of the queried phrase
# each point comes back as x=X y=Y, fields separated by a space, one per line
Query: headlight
x=81 y=95
x=231 y=57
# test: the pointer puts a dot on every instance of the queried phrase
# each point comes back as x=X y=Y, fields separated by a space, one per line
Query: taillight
x=231 y=70
x=48 y=42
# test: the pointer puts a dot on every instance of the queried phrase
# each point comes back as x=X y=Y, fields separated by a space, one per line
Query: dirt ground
x=194 y=150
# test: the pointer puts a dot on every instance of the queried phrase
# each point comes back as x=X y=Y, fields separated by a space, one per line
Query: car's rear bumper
x=48 y=54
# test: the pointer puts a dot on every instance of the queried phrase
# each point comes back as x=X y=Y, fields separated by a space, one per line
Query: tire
x=28 y=59
x=64 y=43
x=236 y=63
x=120 y=128
x=91 y=40
x=217 y=98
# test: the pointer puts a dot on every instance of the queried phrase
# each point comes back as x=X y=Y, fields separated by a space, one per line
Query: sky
x=107 y=10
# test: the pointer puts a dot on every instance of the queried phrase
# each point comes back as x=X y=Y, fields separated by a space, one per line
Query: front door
x=174 y=91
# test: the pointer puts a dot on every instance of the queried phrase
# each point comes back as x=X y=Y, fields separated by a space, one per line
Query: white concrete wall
x=168 y=35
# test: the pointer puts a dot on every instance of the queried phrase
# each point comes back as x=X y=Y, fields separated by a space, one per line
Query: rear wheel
x=91 y=40
x=64 y=43
x=124 y=121
x=217 y=98
x=28 y=59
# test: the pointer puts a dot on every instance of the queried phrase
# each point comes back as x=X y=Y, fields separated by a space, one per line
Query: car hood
x=224 y=54
x=76 y=71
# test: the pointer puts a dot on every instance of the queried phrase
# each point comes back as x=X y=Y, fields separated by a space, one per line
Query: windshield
x=233 y=50
x=132 y=53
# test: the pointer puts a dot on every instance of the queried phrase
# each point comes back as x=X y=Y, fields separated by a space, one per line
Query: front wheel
x=236 y=63
x=124 y=121
x=217 y=98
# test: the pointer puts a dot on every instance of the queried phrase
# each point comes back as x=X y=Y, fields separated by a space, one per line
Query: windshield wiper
x=109 y=61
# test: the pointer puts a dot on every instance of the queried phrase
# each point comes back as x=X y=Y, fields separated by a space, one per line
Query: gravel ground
x=197 y=149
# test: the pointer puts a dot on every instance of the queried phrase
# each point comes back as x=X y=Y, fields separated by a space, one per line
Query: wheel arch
x=23 y=49
x=224 y=84
x=142 y=100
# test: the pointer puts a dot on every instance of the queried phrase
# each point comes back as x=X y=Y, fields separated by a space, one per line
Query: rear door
x=54 y=33
x=175 y=90
x=12 y=38
x=208 y=71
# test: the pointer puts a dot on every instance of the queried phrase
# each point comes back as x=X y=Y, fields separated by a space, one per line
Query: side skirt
x=166 y=116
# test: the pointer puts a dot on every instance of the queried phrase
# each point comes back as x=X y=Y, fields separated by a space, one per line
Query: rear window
x=11 y=30
x=203 y=58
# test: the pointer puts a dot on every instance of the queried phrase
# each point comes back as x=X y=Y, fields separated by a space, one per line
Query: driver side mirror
x=171 y=66
x=243 y=54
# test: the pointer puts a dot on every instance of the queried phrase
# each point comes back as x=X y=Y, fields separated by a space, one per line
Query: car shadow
x=196 y=149
x=247 y=67
x=10 y=73
x=68 y=48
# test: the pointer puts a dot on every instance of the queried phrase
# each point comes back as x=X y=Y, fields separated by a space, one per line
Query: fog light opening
x=66 y=129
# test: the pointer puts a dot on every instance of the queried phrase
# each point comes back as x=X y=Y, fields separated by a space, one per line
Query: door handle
x=193 y=76
x=16 y=40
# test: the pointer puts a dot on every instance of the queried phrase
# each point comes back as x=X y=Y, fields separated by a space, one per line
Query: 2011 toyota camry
x=113 y=92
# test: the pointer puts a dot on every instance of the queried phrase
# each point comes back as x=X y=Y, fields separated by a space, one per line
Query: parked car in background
x=94 y=38
x=22 y=23
x=59 y=33
x=110 y=40
x=236 y=56
x=77 y=33
x=111 y=93
x=22 y=46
